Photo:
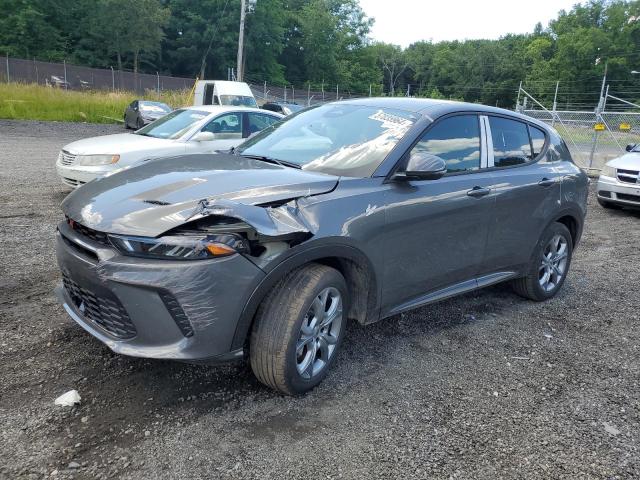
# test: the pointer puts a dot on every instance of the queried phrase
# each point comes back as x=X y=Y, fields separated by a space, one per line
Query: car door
x=526 y=185
x=228 y=131
x=436 y=230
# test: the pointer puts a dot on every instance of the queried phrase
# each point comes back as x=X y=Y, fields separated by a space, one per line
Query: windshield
x=238 y=101
x=154 y=107
x=173 y=125
x=339 y=139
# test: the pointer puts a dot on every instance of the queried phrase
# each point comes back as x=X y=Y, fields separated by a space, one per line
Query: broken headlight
x=181 y=247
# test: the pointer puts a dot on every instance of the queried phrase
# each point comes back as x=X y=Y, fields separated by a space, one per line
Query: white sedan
x=619 y=182
x=202 y=129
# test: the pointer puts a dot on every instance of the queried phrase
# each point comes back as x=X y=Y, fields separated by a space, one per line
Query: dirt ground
x=483 y=386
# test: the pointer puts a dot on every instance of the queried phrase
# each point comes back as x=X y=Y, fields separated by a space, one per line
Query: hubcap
x=554 y=263
x=319 y=333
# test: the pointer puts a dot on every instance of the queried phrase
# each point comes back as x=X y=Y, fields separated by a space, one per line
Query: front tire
x=299 y=328
x=549 y=265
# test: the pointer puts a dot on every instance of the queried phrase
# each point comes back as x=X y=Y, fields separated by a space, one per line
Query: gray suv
x=355 y=210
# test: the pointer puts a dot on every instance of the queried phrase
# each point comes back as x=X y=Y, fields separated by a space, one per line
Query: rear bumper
x=122 y=301
x=622 y=193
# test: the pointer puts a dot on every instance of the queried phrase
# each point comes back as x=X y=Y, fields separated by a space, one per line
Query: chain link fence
x=593 y=137
x=74 y=77
x=302 y=96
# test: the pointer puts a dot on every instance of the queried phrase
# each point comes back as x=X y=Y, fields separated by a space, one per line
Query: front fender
x=324 y=249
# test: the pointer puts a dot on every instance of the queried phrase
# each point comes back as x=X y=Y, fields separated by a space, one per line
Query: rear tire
x=139 y=123
x=299 y=328
x=549 y=265
x=608 y=205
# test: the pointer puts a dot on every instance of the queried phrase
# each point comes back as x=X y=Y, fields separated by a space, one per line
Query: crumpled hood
x=157 y=196
x=115 y=144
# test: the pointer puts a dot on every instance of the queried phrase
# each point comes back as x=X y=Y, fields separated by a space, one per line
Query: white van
x=222 y=92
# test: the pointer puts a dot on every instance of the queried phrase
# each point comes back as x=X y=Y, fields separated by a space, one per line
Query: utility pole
x=555 y=105
x=604 y=81
x=599 y=109
x=243 y=11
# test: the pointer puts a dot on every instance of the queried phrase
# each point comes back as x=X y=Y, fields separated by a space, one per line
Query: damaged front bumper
x=179 y=310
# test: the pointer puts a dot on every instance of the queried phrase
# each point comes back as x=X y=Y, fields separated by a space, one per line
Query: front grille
x=72 y=182
x=96 y=236
x=105 y=311
x=628 y=176
x=627 y=197
x=67 y=158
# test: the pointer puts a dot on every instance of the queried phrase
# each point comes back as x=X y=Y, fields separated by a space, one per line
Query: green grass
x=36 y=102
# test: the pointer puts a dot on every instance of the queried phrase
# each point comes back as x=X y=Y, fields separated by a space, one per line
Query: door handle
x=478 y=192
x=546 y=182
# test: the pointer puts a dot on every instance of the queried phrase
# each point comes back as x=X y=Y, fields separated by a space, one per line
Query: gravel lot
x=483 y=386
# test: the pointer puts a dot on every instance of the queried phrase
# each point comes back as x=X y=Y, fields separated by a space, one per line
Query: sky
x=403 y=22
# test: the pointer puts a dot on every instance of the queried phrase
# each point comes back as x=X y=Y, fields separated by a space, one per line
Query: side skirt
x=452 y=291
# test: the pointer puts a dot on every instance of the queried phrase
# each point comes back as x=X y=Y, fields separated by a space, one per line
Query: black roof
x=434 y=108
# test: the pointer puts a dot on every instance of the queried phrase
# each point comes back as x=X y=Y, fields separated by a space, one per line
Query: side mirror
x=423 y=166
x=203 y=137
x=630 y=147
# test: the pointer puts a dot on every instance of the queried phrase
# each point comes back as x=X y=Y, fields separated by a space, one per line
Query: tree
x=26 y=30
x=393 y=62
x=265 y=42
x=201 y=38
x=128 y=27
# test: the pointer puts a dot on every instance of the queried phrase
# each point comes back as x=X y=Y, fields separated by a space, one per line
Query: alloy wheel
x=553 y=266
x=319 y=333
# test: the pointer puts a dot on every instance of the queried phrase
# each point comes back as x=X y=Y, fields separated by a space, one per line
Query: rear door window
x=538 y=139
x=456 y=140
x=511 y=145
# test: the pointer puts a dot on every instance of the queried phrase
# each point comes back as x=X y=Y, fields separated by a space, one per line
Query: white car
x=619 y=182
x=202 y=129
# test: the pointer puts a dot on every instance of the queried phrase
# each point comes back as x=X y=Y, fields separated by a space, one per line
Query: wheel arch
x=573 y=220
x=356 y=268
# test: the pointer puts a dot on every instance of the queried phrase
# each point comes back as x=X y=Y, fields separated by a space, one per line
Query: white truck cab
x=222 y=92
